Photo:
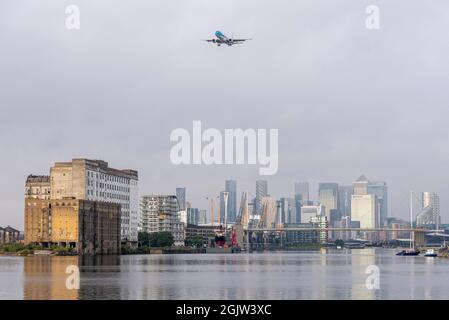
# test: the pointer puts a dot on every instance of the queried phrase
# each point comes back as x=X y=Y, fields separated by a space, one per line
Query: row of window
x=107 y=186
x=106 y=177
x=108 y=195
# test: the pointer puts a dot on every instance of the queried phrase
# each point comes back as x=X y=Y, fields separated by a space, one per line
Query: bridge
x=270 y=216
x=418 y=234
x=342 y=229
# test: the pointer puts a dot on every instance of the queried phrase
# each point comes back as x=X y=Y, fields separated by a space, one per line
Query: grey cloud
x=346 y=100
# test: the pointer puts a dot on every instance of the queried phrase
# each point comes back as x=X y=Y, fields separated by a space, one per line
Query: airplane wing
x=240 y=40
x=211 y=40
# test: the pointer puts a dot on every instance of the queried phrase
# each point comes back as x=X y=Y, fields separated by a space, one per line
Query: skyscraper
x=288 y=211
x=308 y=212
x=193 y=216
x=222 y=211
x=302 y=189
x=344 y=200
x=430 y=214
x=364 y=206
x=181 y=195
x=203 y=218
x=328 y=196
x=261 y=192
x=361 y=185
x=231 y=188
x=301 y=198
x=380 y=190
x=364 y=210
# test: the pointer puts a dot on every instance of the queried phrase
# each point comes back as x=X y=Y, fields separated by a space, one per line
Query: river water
x=325 y=274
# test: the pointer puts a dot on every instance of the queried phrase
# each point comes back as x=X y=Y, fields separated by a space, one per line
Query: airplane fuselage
x=222 y=39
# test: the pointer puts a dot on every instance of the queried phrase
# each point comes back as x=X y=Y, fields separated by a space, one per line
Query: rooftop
x=101 y=166
x=35 y=178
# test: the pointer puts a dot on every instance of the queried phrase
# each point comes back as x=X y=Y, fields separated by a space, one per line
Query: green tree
x=195 y=241
x=161 y=239
x=144 y=239
x=156 y=239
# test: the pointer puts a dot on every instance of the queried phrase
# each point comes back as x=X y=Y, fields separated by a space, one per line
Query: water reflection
x=326 y=274
x=45 y=278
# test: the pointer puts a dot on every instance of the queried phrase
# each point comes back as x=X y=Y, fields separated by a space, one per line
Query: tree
x=195 y=241
x=144 y=239
x=156 y=239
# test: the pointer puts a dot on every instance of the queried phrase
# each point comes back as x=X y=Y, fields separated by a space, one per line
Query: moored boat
x=430 y=253
x=412 y=251
x=408 y=253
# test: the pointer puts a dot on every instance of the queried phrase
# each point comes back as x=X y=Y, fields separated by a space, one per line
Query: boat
x=220 y=238
x=43 y=252
x=408 y=253
x=355 y=245
x=412 y=250
x=430 y=253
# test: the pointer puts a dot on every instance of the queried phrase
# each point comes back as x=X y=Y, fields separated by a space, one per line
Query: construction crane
x=269 y=209
x=211 y=198
x=243 y=215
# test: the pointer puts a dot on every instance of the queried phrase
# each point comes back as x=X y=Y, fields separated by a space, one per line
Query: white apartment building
x=161 y=213
x=94 y=180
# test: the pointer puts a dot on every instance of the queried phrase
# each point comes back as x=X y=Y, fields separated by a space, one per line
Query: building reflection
x=45 y=277
x=360 y=260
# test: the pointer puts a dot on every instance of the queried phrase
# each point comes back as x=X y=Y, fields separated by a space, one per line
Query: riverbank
x=19 y=249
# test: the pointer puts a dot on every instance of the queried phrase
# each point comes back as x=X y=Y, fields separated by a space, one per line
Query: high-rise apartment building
x=161 y=213
x=94 y=180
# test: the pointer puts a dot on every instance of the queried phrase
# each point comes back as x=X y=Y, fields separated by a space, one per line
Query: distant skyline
x=346 y=100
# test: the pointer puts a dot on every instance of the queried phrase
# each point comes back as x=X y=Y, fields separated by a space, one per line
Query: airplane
x=222 y=39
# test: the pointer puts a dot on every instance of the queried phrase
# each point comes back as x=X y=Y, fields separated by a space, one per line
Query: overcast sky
x=346 y=100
